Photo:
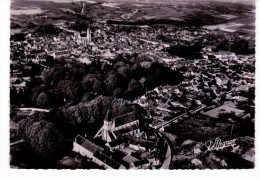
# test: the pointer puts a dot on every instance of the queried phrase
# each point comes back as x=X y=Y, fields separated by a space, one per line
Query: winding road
x=128 y=15
x=168 y=155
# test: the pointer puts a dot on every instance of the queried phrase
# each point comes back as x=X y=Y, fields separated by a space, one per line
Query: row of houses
x=106 y=158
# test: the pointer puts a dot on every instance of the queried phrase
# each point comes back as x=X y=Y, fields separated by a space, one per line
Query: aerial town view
x=132 y=84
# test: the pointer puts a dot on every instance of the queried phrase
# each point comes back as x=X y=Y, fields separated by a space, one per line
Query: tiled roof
x=124 y=119
x=85 y=143
x=141 y=142
x=105 y=159
x=136 y=155
x=120 y=160
x=116 y=142
x=141 y=162
x=126 y=130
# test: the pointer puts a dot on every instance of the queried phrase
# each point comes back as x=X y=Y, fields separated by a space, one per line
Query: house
x=105 y=161
x=141 y=164
x=116 y=144
x=142 y=101
x=85 y=147
x=88 y=149
x=140 y=144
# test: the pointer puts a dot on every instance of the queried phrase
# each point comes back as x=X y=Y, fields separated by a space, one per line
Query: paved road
x=168 y=159
x=35 y=109
x=16 y=143
x=175 y=119
x=168 y=155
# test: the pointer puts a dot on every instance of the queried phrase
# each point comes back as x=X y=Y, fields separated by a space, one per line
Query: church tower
x=106 y=131
x=88 y=35
x=107 y=127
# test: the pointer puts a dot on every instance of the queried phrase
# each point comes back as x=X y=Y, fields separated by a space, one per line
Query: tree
x=88 y=82
x=88 y=96
x=223 y=45
x=242 y=46
x=14 y=96
x=137 y=71
x=134 y=89
x=111 y=83
x=43 y=137
x=87 y=117
x=52 y=76
x=50 y=61
x=36 y=92
x=77 y=71
x=191 y=51
x=98 y=87
x=46 y=76
x=48 y=29
x=43 y=100
x=79 y=25
x=118 y=93
x=124 y=71
x=71 y=90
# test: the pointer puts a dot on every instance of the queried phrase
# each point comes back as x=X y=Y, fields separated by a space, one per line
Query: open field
x=26 y=11
x=224 y=108
x=199 y=13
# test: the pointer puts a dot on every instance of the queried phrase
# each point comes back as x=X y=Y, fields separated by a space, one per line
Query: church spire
x=108 y=115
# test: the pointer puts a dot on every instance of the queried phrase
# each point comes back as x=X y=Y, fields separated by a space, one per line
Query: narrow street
x=168 y=155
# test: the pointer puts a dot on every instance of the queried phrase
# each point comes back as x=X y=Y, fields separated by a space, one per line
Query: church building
x=126 y=124
x=85 y=37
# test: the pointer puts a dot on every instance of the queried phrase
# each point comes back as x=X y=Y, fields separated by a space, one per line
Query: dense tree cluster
x=48 y=29
x=42 y=136
x=201 y=19
x=18 y=37
x=124 y=78
x=79 y=26
x=230 y=42
x=191 y=51
x=46 y=132
x=87 y=117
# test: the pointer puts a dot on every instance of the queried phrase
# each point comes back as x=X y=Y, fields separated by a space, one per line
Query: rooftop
x=141 y=162
x=223 y=108
x=127 y=129
x=124 y=119
x=141 y=142
x=85 y=143
x=116 y=142
x=110 y=162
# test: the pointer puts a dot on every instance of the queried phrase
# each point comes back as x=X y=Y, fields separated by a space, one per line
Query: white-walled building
x=88 y=149
x=126 y=124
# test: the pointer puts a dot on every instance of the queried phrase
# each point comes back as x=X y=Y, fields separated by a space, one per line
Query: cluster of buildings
x=220 y=79
x=124 y=145
x=105 y=42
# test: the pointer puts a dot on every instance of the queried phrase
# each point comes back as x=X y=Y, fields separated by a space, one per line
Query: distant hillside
x=251 y=2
